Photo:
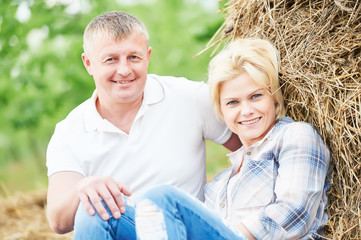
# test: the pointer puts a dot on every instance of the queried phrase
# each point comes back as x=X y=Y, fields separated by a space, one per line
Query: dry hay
x=320 y=48
x=22 y=217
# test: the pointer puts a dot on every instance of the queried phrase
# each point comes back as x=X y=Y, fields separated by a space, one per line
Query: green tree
x=42 y=76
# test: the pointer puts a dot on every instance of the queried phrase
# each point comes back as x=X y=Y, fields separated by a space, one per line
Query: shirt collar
x=92 y=118
x=236 y=157
x=153 y=90
x=153 y=93
x=272 y=133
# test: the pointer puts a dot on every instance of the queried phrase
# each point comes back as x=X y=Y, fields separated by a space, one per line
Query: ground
x=23 y=217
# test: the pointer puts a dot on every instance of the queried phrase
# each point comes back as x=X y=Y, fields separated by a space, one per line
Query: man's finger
x=86 y=204
x=124 y=189
x=109 y=200
x=117 y=196
x=96 y=200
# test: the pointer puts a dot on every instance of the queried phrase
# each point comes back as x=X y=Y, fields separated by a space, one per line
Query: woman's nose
x=246 y=108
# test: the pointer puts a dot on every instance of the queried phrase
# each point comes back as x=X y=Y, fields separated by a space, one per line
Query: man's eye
x=109 y=60
x=232 y=102
x=134 y=57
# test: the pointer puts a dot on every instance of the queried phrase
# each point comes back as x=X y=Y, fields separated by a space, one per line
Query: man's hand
x=233 y=143
x=67 y=189
x=92 y=190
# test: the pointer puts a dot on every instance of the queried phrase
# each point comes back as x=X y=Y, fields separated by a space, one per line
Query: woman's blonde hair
x=257 y=57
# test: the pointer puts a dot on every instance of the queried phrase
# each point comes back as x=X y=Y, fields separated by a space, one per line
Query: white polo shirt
x=165 y=144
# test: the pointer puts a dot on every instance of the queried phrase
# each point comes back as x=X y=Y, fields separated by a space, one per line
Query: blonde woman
x=276 y=187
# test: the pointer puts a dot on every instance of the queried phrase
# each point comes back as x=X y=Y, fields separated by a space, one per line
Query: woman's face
x=247 y=108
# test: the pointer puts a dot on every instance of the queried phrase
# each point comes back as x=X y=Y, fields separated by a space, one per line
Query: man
x=137 y=129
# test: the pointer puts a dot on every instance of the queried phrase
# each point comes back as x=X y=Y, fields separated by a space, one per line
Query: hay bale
x=22 y=217
x=320 y=48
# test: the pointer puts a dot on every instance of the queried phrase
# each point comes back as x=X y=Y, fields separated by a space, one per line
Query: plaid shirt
x=280 y=191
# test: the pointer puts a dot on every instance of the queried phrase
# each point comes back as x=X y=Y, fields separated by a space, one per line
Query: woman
x=276 y=187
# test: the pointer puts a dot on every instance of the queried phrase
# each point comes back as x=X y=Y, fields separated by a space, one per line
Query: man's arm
x=62 y=201
x=67 y=189
x=233 y=143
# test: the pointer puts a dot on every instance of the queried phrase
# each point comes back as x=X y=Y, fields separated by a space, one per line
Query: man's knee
x=83 y=220
x=86 y=225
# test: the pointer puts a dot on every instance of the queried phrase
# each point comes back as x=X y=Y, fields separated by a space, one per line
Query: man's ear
x=87 y=63
x=149 y=52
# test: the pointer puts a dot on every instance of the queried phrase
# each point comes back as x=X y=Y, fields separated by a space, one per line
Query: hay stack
x=320 y=48
x=23 y=217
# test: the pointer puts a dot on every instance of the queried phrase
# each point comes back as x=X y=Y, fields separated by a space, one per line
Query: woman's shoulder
x=299 y=133
x=289 y=126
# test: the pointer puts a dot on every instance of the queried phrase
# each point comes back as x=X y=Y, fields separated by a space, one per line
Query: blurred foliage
x=42 y=76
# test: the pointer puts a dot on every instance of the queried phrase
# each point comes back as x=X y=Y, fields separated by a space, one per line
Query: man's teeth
x=249 y=122
x=122 y=82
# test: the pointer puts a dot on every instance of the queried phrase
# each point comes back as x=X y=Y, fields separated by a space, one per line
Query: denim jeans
x=88 y=227
x=167 y=213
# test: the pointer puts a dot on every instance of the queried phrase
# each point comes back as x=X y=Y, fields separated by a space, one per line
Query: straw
x=320 y=47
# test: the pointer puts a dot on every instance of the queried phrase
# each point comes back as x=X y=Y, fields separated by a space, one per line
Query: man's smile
x=122 y=81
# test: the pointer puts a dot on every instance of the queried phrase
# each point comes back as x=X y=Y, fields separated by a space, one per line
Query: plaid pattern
x=280 y=191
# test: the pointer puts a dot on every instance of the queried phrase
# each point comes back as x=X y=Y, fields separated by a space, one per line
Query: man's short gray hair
x=115 y=24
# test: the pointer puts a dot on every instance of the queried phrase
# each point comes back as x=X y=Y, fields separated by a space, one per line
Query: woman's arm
x=245 y=231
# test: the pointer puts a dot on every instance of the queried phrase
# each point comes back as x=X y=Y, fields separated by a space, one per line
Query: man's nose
x=124 y=68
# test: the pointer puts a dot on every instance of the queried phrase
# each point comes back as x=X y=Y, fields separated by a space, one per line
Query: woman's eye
x=232 y=102
x=254 y=96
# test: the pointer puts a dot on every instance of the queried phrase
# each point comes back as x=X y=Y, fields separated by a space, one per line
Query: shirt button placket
x=223 y=209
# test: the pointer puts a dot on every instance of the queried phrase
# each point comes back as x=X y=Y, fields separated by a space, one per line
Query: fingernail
x=122 y=209
x=105 y=216
x=91 y=212
x=116 y=215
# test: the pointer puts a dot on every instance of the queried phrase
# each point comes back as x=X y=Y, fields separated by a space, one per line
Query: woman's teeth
x=250 y=122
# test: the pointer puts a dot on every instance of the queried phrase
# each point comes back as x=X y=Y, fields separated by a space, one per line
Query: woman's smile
x=247 y=108
x=249 y=122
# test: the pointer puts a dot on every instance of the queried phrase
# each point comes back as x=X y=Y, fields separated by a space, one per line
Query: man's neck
x=121 y=115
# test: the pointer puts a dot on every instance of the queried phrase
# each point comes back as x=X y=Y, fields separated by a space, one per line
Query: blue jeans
x=167 y=213
x=88 y=227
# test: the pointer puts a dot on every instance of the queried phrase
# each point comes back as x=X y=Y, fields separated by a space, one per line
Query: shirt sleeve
x=303 y=160
x=214 y=129
x=59 y=156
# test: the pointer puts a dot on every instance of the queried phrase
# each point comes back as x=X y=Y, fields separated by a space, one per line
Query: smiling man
x=119 y=69
x=137 y=130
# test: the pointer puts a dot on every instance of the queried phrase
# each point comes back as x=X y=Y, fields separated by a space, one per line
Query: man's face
x=119 y=68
